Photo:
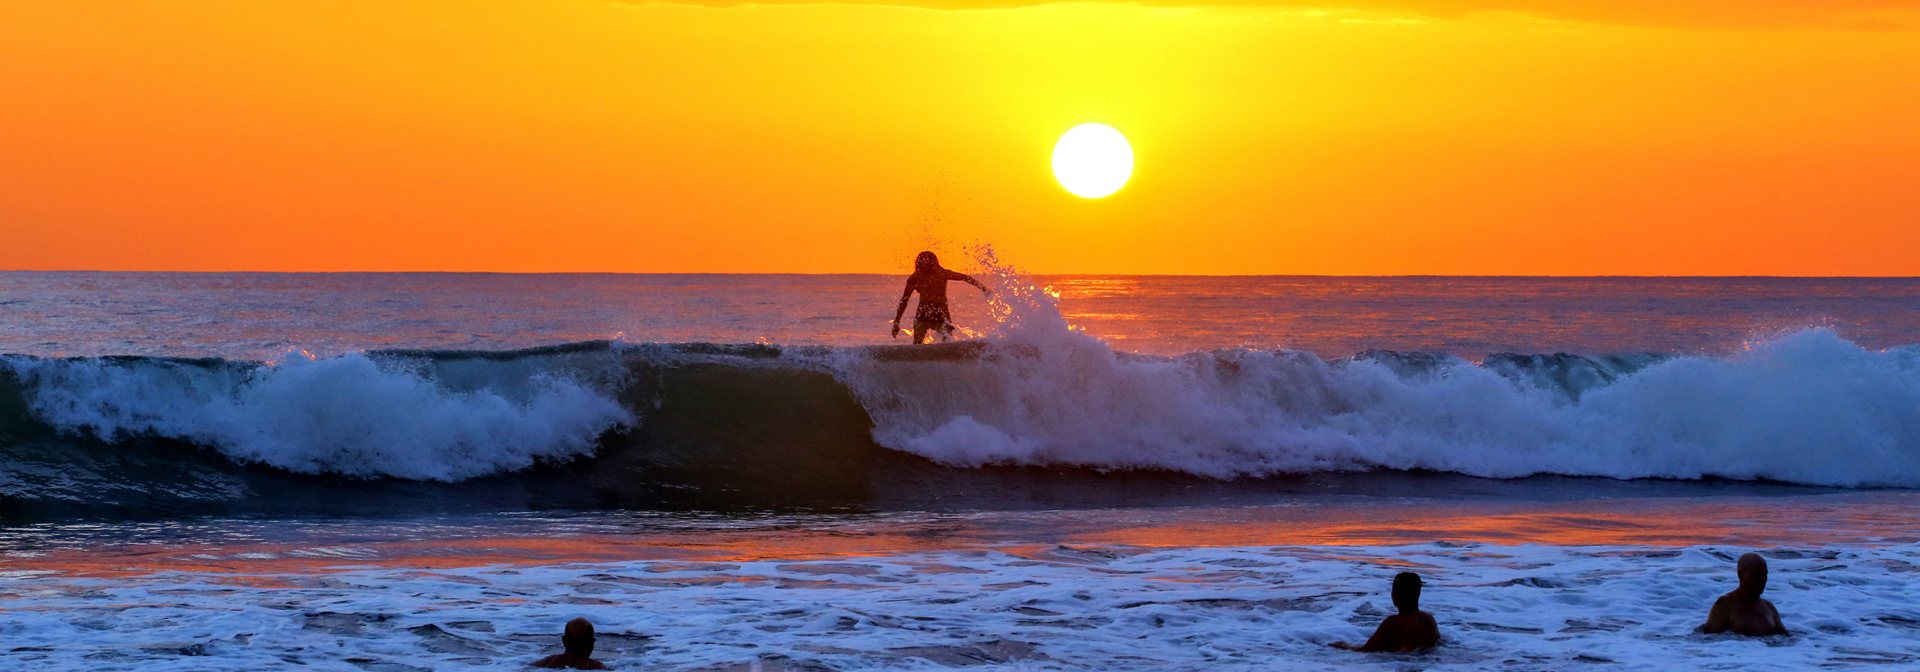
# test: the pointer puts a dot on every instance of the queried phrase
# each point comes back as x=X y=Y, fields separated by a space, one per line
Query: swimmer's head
x=1752 y=570
x=1406 y=591
x=926 y=262
x=579 y=637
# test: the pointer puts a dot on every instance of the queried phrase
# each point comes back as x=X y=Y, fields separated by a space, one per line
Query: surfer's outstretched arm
x=902 y=309
x=961 y=277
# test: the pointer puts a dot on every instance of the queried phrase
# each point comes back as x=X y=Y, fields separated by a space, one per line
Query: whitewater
x=1049 y=608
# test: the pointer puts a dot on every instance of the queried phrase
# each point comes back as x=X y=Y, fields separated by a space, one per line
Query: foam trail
x=1805 y=407
x=346 y=415
x=1011 y=609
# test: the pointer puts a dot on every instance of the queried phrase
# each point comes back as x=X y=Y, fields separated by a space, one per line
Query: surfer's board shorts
x=942 y=327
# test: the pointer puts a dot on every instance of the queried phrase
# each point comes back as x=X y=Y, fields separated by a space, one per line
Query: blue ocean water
x=422 y=471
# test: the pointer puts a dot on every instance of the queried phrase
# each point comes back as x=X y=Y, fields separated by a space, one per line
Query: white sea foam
x=1044 y=608
x=1805 y=406
x=347 y=415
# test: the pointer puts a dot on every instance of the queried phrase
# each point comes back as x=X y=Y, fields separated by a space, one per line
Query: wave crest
x=345 y=415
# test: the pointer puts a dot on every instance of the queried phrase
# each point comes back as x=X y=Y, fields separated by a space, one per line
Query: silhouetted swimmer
x=1405 y=632
x=1742 y=612
x=579 y=642
x=930 y=280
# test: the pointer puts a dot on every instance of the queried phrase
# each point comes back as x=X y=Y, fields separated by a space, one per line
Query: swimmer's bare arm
x=902 y=310
x=1720 y=617
x=1385 y=637
x=1378 y=642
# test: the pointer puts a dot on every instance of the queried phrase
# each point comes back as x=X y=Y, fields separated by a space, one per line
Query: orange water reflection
x=1044 y=537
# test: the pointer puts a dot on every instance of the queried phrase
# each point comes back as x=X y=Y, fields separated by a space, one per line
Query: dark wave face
x=1042 y=410
x=579 y=426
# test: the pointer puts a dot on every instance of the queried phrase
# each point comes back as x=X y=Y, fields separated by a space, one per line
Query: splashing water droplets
x=1021 y=310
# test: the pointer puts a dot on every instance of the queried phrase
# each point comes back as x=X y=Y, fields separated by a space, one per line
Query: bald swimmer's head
x=579 y=637
x=1406 y=592
x=1752 y=570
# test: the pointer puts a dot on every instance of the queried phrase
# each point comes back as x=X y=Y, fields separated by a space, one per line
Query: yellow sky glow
x=1445 y=137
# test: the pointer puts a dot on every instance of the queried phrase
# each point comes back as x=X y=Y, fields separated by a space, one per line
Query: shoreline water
x=317 y=545
x=1026 y=608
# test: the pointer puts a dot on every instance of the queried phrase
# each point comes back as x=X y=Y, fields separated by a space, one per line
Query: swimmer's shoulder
x=1429 y=630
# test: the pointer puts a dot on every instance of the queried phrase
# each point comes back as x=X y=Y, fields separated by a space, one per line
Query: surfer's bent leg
x=920 y=328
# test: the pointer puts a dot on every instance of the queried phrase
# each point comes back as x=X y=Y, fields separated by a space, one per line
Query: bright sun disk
x=1092 y=160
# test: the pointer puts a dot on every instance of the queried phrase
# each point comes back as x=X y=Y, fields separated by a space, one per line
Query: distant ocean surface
x=262 y=315
x=636 y=446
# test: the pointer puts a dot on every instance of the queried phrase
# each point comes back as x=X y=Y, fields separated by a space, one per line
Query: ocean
x=422 y=471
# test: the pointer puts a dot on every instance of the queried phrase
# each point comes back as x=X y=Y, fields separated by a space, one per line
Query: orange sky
x=1555 y=137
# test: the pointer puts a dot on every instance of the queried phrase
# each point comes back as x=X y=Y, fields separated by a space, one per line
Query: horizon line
x=1050 y=274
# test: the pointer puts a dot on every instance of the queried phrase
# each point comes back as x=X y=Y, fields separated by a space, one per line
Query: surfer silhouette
x=930 y=280
x=1741 y=611
x=578 y=641
x=1408 y=631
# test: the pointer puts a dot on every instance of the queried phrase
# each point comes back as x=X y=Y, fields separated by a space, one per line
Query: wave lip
x=349 y=415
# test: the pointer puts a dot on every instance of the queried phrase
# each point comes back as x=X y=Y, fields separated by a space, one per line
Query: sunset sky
x=1531 y=137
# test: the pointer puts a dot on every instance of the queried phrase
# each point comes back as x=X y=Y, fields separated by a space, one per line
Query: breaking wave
x=346 y=415
x=1801 y=407
x=1806 y=407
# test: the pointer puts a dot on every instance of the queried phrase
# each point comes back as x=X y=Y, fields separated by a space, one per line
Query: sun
x=1092 y=160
